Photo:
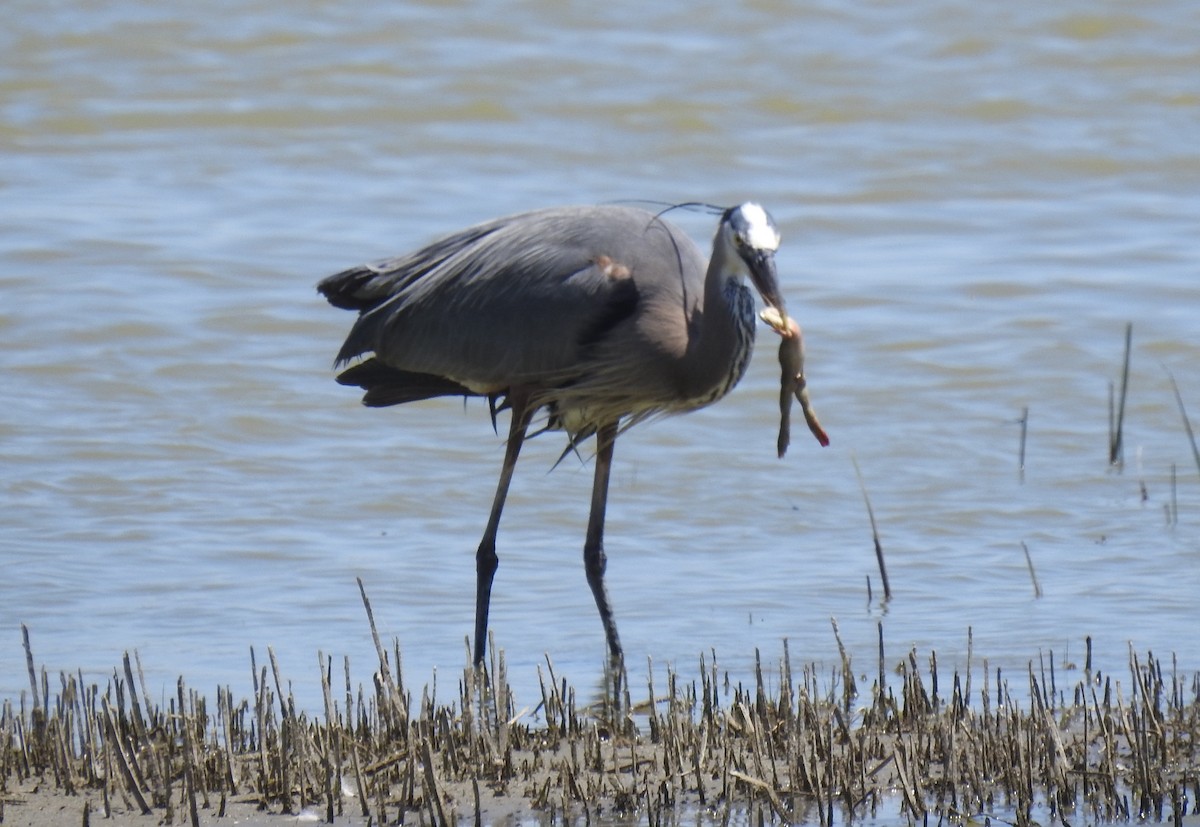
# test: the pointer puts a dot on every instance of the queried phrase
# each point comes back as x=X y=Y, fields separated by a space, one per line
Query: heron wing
x=526 y=299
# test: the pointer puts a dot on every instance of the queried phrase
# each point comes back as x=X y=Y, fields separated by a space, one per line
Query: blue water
x=974 y=202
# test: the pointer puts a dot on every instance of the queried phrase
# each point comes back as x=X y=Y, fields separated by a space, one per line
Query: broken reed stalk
x=1116 y=425
x=189 y=768
x=1037 y=589
x=887 y=588
x=1187 y=423
x=395 y=701
x=882 y=662
x=1024 y=423
x=33 y=690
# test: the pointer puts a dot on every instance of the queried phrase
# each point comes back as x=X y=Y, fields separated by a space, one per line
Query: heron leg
x=485 y=558
x=594 y=559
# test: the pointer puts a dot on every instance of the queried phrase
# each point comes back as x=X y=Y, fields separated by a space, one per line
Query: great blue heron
x=602 y=316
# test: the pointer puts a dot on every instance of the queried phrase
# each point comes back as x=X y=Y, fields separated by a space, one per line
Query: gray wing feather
x=515 y=300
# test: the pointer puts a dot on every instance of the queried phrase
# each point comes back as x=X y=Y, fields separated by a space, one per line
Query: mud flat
x=796 y=746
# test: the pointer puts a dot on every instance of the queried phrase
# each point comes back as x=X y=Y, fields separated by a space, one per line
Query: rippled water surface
x=975 y=200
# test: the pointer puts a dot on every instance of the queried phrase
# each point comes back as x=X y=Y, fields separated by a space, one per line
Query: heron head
x=750 y=232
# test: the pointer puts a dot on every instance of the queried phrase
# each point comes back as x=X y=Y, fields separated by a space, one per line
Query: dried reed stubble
x=784 y=747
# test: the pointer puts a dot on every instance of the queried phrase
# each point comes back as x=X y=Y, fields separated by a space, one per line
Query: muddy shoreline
x=801 y=747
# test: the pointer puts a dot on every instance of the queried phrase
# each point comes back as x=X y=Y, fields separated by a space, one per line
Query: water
x=974 y=201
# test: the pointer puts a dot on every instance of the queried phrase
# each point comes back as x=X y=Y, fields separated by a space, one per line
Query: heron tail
x=385 y=385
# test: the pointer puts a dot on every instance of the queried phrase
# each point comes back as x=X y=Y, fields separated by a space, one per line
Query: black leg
x=594 y=561
x=485 y=558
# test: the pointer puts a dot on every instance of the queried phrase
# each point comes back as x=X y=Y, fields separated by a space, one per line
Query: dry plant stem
x=33 y=688
x=1117 y=425
x=887 y=588
x=189 y=769
x=1187 y=423
x=1024 y=432
x=395 y=700
x=882 y=663
x=124 y=761
x=1037 y=589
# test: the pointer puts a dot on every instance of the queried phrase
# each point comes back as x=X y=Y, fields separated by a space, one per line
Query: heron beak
x=762 y=272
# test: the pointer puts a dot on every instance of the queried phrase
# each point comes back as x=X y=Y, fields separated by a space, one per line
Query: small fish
x=792 y=382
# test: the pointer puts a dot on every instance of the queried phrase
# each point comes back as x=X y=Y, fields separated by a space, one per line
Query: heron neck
x=724 y=287
x=726 y=334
